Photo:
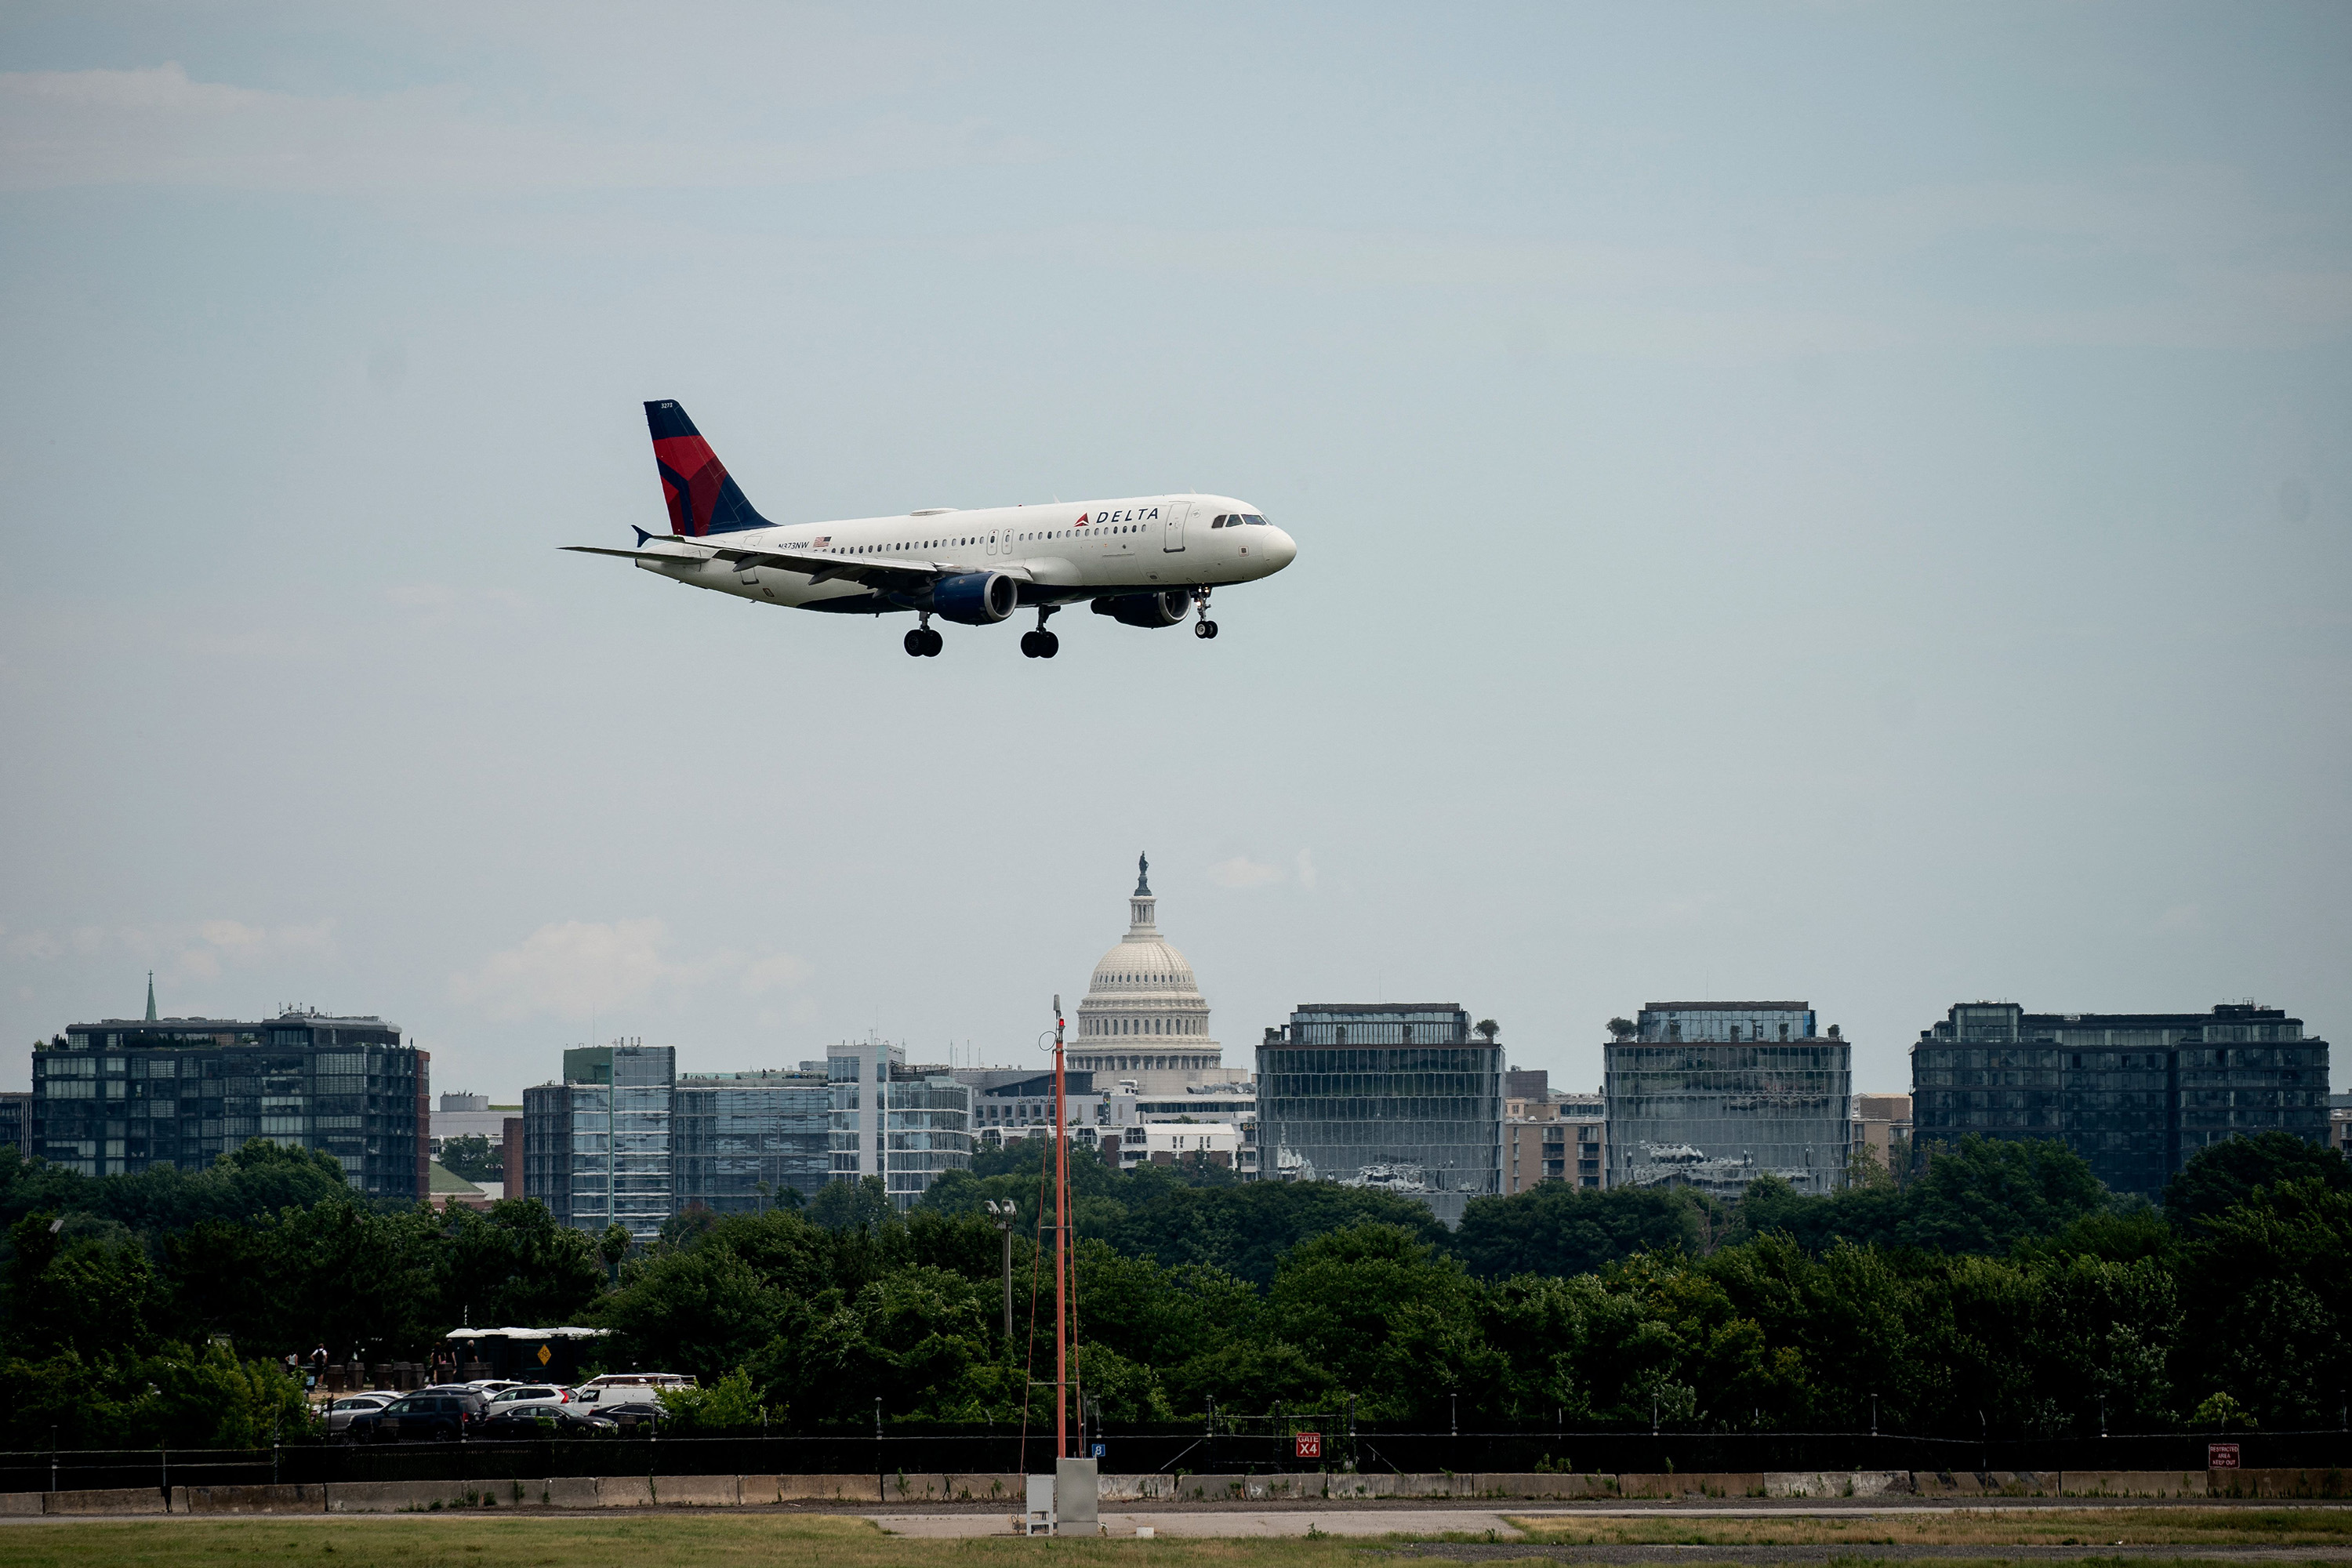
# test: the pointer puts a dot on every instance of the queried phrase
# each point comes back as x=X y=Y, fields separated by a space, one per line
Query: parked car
x=528 y=1394
x=615 y=1386
x=520 y=1423
x=340 y=1413
x=430 y=1415
x=635 y=1417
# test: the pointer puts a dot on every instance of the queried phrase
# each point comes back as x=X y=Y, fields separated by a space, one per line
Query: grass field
x=637 y=1541
x=2106 y=1528
x=651 y=1540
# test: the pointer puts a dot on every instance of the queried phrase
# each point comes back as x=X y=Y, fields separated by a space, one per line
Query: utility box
x=1076 y=1490
x=1039 y=1518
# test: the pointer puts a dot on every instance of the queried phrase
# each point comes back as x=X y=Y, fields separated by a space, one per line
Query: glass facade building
x=124 y=1095
x=1712 y=1095
x=742 y=1138
x=905 y=1124
x=596 y=1147
x=1399 y=1095
x=2134 y=1094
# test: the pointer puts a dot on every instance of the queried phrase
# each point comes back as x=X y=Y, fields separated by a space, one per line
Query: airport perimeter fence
x=1255 y=1445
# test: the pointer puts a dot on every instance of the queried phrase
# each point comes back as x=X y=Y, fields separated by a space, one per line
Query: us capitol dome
x=1144 y=1017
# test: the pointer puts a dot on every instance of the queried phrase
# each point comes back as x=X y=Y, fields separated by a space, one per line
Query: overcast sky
x=1836 y=501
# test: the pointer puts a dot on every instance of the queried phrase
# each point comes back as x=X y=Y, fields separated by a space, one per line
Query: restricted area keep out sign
x=2221 y=1455
x=1306 y=1445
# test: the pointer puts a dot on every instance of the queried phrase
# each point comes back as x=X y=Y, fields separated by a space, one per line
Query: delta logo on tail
x=702 y=500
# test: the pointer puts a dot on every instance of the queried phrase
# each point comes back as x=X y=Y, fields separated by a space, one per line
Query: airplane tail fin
x=702 y=499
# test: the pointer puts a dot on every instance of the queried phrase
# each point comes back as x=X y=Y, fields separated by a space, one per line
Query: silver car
x=522 y=1396
x=340 y=1413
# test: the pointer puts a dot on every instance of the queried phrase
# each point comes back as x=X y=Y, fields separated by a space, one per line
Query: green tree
x=1555 y=1229
x=1983 y=1194
x=1389 y=1316
x=2220 y=1175
x=2272 y=1277
x=729 y=1403
x=863 y=1204
x=473 y=1158
x=704 y=1312
x=81 y=1286
x=514 y=1265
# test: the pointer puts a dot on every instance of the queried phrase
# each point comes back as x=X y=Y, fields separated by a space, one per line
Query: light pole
x=1001 y=1214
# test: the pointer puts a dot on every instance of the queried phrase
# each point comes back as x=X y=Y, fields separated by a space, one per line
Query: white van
x=615 y=1386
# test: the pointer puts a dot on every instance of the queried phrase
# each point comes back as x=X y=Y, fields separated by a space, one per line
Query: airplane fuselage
x=1061 y=552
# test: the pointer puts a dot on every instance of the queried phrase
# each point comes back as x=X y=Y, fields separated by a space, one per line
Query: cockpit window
x=1253 y=519
x=1220 y=523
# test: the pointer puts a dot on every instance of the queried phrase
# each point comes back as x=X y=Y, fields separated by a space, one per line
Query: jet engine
x=975 y=598
x=1166 y=608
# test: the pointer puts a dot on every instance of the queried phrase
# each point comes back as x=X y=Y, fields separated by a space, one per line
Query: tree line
x=2000 y=1291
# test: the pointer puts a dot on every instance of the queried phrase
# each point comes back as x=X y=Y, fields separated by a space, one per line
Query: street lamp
x=1001 y=1216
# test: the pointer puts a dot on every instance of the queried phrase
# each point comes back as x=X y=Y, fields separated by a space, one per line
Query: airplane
x=1144 y=561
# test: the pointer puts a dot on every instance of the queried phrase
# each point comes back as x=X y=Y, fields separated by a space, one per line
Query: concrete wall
x=734 y=1492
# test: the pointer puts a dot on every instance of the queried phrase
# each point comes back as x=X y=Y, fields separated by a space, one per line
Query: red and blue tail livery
x=702 y=500
x=1144 y=561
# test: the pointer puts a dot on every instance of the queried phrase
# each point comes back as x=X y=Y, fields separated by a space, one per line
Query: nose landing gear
x=923 y=642
x=1204 y=627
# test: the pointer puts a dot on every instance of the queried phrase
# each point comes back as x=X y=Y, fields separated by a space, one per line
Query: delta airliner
x=1146 y=561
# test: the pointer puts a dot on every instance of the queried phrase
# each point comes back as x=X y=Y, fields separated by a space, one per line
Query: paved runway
x=1226 y=1521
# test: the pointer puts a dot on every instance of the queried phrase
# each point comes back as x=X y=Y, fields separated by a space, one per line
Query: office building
x=1398 y=1095
x=1534 y=1144
x=1015 y=1103
x=15 y=1120
x=1882 y=1128
x=1585 y=1118
x=2134 y=1094
x=1549 y=1136
x=906 y=1125
x=596 y=1145
x=122 y=1095
x=742 y=1139
x=1712 y=1095
x=2339 y=1125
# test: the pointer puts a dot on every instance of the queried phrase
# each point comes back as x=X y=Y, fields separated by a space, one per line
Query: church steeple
x=151 y=995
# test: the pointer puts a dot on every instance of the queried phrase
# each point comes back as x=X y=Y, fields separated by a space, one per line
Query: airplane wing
x=819 y=565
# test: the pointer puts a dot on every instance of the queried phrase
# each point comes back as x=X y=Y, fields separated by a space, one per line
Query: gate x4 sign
x=1308 y=1444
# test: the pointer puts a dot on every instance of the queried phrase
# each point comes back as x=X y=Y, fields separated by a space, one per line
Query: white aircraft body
x=1143 y=561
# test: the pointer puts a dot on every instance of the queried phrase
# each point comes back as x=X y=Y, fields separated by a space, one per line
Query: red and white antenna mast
x=1064 y=1264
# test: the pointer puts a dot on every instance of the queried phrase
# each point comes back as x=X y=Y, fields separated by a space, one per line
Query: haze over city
x=1846 y=504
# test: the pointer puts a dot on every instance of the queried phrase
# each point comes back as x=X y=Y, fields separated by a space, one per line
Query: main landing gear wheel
x=1204 y=628
x=1039 y=645
x=925 y=643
